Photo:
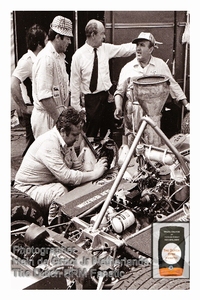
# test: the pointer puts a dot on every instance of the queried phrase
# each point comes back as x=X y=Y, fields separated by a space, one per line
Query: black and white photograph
x=103 y=158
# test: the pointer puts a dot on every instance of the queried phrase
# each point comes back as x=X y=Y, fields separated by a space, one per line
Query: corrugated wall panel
x=124 y=26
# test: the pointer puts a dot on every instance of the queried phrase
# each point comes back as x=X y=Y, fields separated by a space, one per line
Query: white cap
x=147 y=36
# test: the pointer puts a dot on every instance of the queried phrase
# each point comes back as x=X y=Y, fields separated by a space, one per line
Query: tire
x=24 y=210
x=141 y=279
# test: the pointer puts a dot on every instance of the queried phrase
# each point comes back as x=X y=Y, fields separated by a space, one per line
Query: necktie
x=94 y=76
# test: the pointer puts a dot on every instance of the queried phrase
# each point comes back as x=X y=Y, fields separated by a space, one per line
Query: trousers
x=25 y=120
x=98 y=119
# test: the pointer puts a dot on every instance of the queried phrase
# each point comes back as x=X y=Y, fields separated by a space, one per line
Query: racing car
x=102 y=237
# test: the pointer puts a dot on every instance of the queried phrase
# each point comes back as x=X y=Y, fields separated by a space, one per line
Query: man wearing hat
x=143 y=65
x=50 y=78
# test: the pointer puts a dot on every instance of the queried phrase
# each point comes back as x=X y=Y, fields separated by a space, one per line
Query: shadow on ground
x=18 y=144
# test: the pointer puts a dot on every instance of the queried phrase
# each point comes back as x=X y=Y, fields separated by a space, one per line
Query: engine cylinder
x=182 y=190
x=158 y=155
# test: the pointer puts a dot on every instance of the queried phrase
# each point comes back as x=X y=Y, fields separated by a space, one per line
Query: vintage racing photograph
x=104 y=155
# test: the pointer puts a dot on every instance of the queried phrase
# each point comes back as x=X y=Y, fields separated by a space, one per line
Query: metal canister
x=140 y=155
x=181 y=189
x=123 y=220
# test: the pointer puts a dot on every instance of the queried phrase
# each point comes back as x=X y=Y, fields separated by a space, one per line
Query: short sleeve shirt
x=50 y=78
x=23 y=70
x=156 y=66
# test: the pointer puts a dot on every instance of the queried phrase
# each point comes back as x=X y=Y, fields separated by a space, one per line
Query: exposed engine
x=154 y=188
x=157 y=189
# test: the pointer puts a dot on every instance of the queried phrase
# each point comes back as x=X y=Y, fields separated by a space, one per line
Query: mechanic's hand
x=187 y=106
x=101 y=166
x=83 y=116
x=25 y=110
x=29 y=109
x=118 y=113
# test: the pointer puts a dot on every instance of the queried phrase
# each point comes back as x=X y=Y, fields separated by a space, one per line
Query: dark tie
x=94 y=77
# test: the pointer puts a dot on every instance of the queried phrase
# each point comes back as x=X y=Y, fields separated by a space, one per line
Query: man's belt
x=97 y=94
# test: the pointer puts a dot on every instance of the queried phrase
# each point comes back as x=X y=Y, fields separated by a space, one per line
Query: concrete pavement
x=18 y=144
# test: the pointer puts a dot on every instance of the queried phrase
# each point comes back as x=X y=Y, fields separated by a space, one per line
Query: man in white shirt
x=96 y=101
x=21 y=81
x=144 y=64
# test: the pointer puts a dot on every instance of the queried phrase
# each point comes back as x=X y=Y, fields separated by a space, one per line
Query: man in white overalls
x=50 y=78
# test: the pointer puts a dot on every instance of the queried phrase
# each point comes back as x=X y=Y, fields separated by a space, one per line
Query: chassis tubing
x=179 y=157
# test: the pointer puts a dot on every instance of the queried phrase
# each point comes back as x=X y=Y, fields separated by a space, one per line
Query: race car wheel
x=24 y=210
x=141 y=279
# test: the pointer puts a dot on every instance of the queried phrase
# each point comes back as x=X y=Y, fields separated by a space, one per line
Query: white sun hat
x=62 y=26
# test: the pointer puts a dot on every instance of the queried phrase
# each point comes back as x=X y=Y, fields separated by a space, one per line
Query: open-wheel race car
x=102 y=237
